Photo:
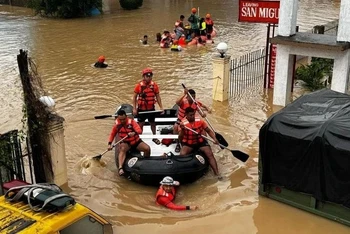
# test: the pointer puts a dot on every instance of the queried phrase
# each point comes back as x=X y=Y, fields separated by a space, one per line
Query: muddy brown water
x=64 y=51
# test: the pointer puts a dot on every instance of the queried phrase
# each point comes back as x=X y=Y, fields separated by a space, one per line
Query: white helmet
x=169 y=181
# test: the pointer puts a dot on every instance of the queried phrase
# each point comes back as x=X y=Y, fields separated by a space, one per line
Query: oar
x=98 y=157
x=236 y=153
x=108 y=116
x=218 y=136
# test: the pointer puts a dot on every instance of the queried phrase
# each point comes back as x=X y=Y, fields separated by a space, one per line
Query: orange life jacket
x=190 y=137
x=147 y=97
x=161 y=193
x=184 y=104
x=123 y=131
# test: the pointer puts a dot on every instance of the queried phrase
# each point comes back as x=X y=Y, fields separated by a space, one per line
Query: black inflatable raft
x=164 y=161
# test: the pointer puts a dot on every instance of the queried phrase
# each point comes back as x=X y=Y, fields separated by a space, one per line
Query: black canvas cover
x=305 y=147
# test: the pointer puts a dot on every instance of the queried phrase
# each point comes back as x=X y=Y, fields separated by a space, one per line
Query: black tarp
x=305 y=147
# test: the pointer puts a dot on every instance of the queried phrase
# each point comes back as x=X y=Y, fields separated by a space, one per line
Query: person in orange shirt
x=146 y=94
x=183 y=102
x=192 y=142
x=125 y=126
x=166 y=195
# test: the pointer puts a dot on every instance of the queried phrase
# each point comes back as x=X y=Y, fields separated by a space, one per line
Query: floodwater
x=64 y=51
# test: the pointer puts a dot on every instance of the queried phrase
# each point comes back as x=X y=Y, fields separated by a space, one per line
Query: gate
x=247 y=74
x=13 y=163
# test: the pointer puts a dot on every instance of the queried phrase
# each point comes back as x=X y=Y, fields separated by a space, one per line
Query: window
x=86 y=225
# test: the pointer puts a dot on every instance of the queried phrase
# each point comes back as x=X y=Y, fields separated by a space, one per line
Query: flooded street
x=64 y=52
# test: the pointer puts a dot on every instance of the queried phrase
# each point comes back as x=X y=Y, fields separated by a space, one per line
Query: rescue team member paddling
x=166 y=194
x=100 y=63
x=192 y=142
x=125 y=126
x=146 y=94
x=183 y=102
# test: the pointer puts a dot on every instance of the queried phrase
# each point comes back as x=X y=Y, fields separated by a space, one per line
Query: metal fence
x=14 y=164
x=247 y=74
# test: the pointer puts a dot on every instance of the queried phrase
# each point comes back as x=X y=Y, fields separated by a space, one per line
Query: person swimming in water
x=145 y=39
x=166 y=195
x=100 y=63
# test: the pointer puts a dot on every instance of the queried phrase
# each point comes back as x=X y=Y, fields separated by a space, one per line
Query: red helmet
x=194 y=10
x=101 y=59
x=146 y=70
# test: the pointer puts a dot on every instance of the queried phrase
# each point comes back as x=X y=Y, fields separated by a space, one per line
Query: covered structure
x=305 y=154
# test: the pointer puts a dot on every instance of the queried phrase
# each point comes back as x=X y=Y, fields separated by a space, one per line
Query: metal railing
x=13 y=163
x=247 y=73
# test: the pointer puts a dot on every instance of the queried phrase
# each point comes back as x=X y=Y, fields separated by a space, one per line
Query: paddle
x=236 y=153
x=218 y=136
x=98 y=157
x=108 y=116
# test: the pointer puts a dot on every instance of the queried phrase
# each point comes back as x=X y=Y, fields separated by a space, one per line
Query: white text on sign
x=254 y=12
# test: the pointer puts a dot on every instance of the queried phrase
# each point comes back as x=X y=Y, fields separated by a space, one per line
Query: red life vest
x=184 y=104
x=190 y=137
x=123 y=131
x=182 y=41
x=147 y=98
x=161 y=193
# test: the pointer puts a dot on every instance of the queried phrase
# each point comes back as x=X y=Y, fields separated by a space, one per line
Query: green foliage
x=314 y=74
x=8 y=147
x=327 y=66
x=64 y=8
x=130 y=4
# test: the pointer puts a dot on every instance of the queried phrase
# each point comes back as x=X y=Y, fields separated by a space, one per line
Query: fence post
x=57 y=150
x=221 y=76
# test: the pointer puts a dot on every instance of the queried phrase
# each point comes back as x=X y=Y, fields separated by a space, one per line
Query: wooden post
x=41 y=158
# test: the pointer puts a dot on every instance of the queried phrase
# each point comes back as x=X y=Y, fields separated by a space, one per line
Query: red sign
x=256 y=11
x=273 y=52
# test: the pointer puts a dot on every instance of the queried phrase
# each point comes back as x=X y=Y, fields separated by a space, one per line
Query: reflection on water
x=64 y=51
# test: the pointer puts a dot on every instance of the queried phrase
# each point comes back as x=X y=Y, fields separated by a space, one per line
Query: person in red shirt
x=183 y=102
x=166 y=195
x=209 y=23
x=192 y=142
x=182 y=40
x=125 y=126
x=146 y=94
